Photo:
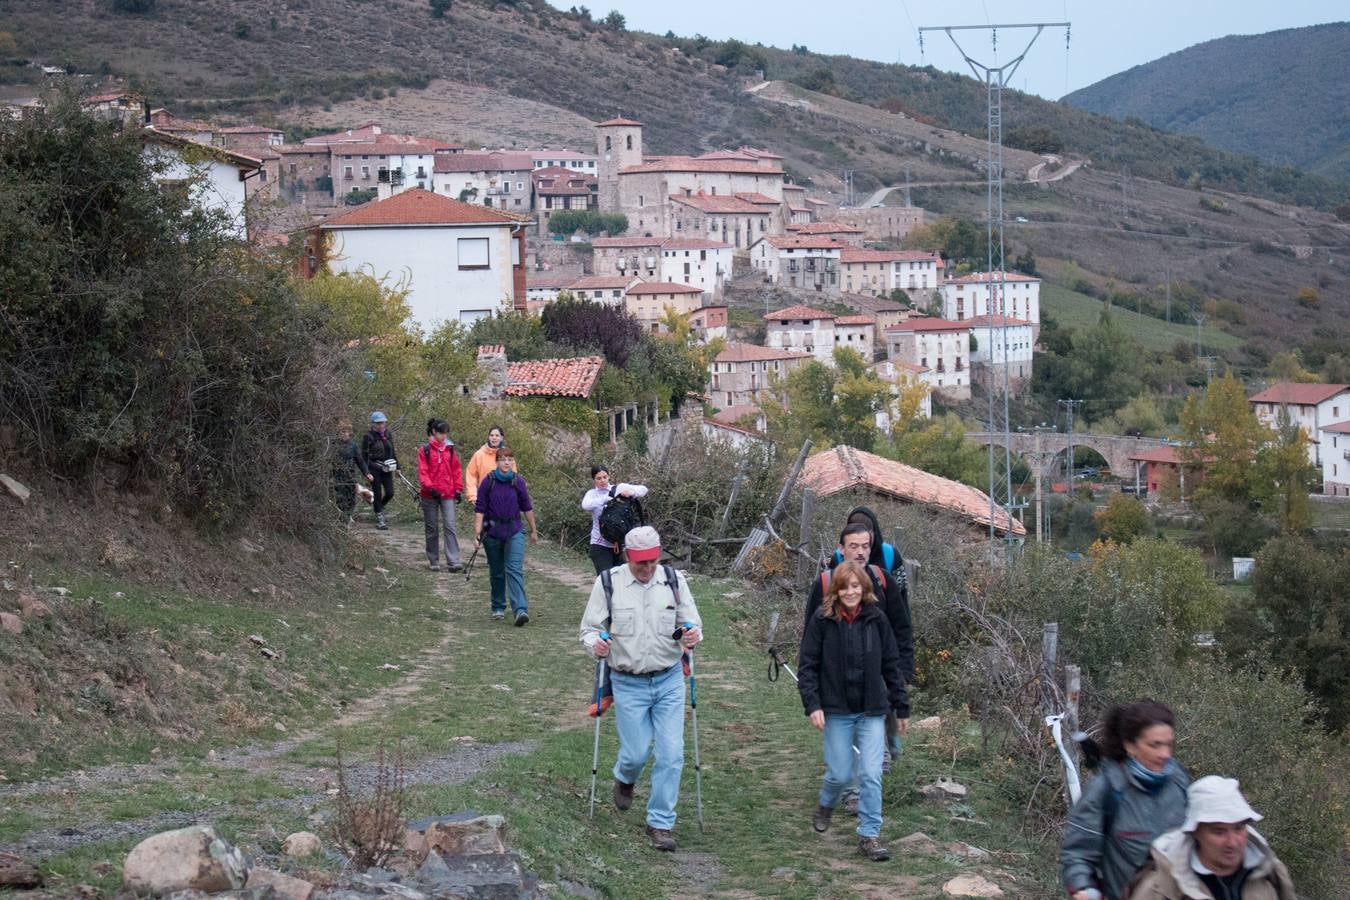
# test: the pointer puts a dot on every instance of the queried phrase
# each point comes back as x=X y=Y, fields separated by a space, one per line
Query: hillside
x=1283 y=96
x=497 y=73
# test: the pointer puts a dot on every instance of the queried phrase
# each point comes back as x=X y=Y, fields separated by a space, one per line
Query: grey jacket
x=1092 y=858
x=1173 y=877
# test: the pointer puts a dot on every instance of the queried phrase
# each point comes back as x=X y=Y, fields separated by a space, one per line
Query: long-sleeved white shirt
x=644 y=619
x=594 y=500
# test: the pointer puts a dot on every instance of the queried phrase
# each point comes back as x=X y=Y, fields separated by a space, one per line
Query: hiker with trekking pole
x=642 y=623
x=849 y=677
x=502 y=510
x=377 y=448
x=442 y=483
x=1139 y=793
x=615 y=509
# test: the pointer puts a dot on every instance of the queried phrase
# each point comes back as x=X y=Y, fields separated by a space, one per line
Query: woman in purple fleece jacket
x=503 y=500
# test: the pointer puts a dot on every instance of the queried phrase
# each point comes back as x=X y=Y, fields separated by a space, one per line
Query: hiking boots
x=380 y=523
x=871 y=848
x=498 y=615
x=661 y=839
x=623 y=796
x=522 y=618
x=456 y=568
x=820 y=819
x=851 y=805
x=435 y=567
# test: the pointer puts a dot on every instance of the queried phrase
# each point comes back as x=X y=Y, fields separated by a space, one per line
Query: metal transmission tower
x=996 y=78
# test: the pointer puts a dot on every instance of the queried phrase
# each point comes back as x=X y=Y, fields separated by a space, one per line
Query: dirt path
x=456 y=766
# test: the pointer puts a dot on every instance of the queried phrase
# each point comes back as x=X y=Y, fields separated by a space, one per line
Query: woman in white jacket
x=604 y=554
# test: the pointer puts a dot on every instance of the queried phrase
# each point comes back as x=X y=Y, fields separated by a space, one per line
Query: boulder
x=971 y=886
x=966 y=851
x=918 y=842
x=284 y=887
x=462 y=834
x=33 y=608
x=11 y=623
x=944 y=789
x=15 y=873
x=301 y=843
x=482 y=876
x=15 y=490
x=932 y=723
x=185 y=859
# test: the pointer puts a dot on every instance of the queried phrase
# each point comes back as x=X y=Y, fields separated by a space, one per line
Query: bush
x=361 y=196
x=590 y=221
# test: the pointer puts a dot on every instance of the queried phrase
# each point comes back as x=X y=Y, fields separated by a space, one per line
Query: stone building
x=558 y=189
x=802 y=329
x=797 y=261
x=742 y=372
x=883 y=223
x=844 y=233
x=648 y=302
x=938 y=345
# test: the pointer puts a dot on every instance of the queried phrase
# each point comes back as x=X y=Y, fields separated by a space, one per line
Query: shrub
x=590 y=221
x=1309 y=297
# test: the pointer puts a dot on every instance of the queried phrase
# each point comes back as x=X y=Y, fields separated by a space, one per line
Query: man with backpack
x=615 y=509
x=442 y=483
x=855 y=545
x=641 y=618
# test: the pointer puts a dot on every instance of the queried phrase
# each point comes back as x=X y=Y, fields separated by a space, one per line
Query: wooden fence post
x=788 y=484
x=804 y=565
x=1073 y=688
x=1049 y=659
x=731 y=501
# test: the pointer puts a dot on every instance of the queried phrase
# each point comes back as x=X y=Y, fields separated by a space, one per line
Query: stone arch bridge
x=1041 y=449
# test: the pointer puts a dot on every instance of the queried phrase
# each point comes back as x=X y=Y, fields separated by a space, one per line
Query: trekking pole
x=468 y=568
x=416 y=494
x=775 y=657
x=599 y=685
x=698 y=768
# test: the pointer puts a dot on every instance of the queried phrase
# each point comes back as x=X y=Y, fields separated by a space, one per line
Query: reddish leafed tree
x=587 y=325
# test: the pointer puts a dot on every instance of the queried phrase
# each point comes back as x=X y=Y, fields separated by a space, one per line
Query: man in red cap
x=650 y=617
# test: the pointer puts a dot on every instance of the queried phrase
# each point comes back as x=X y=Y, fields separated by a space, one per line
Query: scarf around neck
x=1150 y=781
x=508 y=477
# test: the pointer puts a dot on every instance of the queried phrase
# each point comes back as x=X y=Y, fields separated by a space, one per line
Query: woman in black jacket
x=849 y=678
x=377 y=446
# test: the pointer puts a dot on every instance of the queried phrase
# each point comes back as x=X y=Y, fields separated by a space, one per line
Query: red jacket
x=438 y=469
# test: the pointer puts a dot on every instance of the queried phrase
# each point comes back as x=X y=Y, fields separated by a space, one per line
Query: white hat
x=1215 y=799
x=642 y=543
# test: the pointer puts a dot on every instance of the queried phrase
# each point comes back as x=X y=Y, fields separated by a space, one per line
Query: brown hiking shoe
x=623 y=795
x=661 y=839
x=820 y=819
x=871 y=848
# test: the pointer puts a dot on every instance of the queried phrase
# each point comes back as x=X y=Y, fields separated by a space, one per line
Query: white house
x=802 y=329
x=698 y=263
x=742 y=372
x=214 y=178
x=498 y=178
x=798 y=261
x=1309 y=406
x=609 y=289
x=857 y=333
x=1335 y=447
x=565 y=159
x=542 y=288
x=936 y=344
x=900 y=375
x=968 y=297
x=989 y=336
x=460 y=262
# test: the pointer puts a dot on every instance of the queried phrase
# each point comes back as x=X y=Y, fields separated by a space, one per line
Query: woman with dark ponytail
x=1139 y=793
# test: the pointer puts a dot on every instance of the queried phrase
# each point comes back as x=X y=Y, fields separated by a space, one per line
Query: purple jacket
x=501 y=504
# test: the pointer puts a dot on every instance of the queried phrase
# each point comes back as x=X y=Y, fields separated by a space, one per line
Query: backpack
x=878 y=581
x=620 y=516
x=607 y=582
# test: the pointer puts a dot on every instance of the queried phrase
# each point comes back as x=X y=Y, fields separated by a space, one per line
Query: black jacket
x=892 y=603
x=851 y=667
x=347 y=460
x=376 y=448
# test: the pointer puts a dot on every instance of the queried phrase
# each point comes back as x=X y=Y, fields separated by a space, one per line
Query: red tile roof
x=311 y=149
x=601 y=282
x=798 y=312
x=694 y=164
x=732 y=414
x=562 y=154
x=855 y=320
x=859 y=255
x=928 y=323
x=553 y=377
x=1159 y=455
x=548 y=280
x=757 y=198
x=841 y=468
x=710 y=204
x=627 y=242
x=662 y=287
x=419 y=207
x=912 y=368
x=491 y=161
x=693 y=244
x=491 y=349
x=250 y=129
x=1338 y=428
x=233 y=157
x=984 y=278
x=738 y=352
x=868 y=303
x=609 y=122
x=825 y=228
x=559 y=181
x=381 y=147
x=802 y=242
x=1300 y=394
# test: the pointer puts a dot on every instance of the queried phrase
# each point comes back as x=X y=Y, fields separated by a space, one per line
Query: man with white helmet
x=1215 y=855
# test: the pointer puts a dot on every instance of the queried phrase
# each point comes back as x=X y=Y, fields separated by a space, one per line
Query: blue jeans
x=506 y=566
x=649 y=714
x=842 y=734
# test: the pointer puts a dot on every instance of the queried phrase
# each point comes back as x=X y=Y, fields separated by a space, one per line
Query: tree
x=1284 y=477
x=615 y=21
x=1288 y=366
x=1299 y=615
x=590 y=221
x=1036 y=138
x=1025 y=263
x=940 y=447
x=830 y=405
x=820 y=80
x=1123 y=520
x=1222 y=436
x=587 y=326
x=522 y=336
x=439 y=8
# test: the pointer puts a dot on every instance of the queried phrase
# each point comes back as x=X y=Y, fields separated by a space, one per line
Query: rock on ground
x=971 y=886
x=31 y=607
x=15 y=489
x=193 y=858
x=918 y=842
x=11 y=623
x=15 y=873
x=301 y=843
x=284 y=887
x=456 y=836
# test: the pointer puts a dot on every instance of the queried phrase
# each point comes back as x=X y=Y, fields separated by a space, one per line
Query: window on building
x=609 y=143
x=347 y=172
x=365 y=171
x=630 y=142
x=473 y=253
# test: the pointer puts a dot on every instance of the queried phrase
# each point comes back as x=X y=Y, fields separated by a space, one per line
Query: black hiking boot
x=522 y=618
x=435 y=567
x=380 y=523
x=623 y=795
x=661 y=839
x=851 y=805
x=456 y=569
x=871 y=848
x=820 y=819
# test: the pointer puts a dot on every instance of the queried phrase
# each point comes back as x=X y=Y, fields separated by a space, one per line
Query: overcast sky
x=1106 y=38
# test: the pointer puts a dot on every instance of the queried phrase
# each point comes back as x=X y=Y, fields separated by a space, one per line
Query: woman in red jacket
x=442 y=481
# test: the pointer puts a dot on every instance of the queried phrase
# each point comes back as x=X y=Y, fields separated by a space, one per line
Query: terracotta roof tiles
x=928 y=323
x=825 y=228
x=841 y=468
x=797 y=312
x=1299 y=394
x=855 y=320
x=418 y=207
x=601 y=283
x=553 y=377
x=662 y=287
x=739 y=352
x=710 y=204
x=619 y=121
x=985 y=278
x=802 y=242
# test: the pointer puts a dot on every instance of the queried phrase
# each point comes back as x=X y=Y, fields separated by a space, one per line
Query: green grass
x=1330 y=515
x=1074 y=310
x=761 y=765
